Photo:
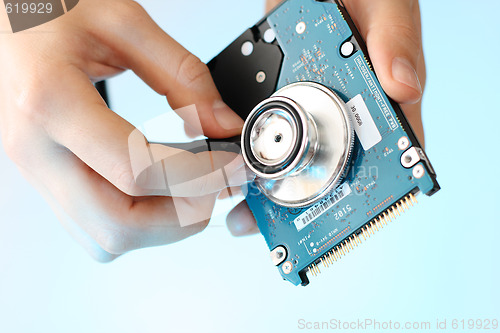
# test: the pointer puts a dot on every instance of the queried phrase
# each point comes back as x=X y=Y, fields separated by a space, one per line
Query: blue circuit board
x=377 y=187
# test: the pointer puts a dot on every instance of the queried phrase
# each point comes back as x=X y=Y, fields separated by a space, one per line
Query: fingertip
x=405 y=74
x=240 y=221
x=191 y=132
x=227 y=118
x=396 y=53
x=98 y=254
x=211 y=118
x=398 y=79
x=270 y=4
x=105 y=258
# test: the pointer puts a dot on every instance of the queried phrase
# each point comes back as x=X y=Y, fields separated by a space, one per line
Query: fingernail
x=250 y=230
x=226 y=117
x=239 y=228
x=403 y=71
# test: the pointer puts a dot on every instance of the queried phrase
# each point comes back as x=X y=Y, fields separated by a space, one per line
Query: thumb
x=392 y=32
x=161 y=170
x=171 y=70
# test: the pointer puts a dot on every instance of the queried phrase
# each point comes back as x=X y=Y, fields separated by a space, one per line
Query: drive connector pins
x=364 y=232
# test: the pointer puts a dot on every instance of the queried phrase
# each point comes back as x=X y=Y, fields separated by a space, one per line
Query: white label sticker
x=307 y=217
x=364 y=125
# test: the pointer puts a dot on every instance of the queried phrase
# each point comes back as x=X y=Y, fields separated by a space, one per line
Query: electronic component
x=335 y=157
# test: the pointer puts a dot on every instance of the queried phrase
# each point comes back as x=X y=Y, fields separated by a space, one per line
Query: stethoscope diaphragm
x=298 y=142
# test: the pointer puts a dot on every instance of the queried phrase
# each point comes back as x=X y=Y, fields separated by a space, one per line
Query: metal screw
x=261 y=77
x=287 y=267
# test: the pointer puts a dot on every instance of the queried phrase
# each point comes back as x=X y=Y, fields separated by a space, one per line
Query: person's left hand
x=112 y=190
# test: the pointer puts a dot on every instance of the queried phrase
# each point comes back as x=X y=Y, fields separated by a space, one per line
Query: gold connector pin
x=400 y=208
x=387 y=217
x=357 y=239
x=344 y=246
x=395 y=211
x=336 y=255
x=381 y=220
x=369 y=229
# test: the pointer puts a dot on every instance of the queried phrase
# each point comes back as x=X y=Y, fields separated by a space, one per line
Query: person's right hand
x=77 y=152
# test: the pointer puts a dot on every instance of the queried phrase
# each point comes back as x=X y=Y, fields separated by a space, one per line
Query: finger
x=81 y=122
x=241 y=222
x=231 y=193
x=75 y=231
x=31 y=148
x=413 y=112
x=270 y=4
x=392 y=32
x=169 y=69
x=116 y=222
x=414 y=116
x=190 y=132
x=167 y=171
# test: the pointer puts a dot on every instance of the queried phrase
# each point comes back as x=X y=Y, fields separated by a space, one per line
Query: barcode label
x=315 y=211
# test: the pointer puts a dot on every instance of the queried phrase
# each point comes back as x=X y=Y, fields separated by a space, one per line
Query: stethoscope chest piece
x=298 y=142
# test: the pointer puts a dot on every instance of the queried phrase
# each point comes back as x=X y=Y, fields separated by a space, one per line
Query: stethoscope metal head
x=298 y=142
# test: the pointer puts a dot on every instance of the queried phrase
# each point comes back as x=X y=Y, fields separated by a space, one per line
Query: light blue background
x=440 y=260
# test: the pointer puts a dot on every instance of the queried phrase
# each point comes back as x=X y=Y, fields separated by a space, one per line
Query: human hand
x=98 y=172
x=392 y=31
